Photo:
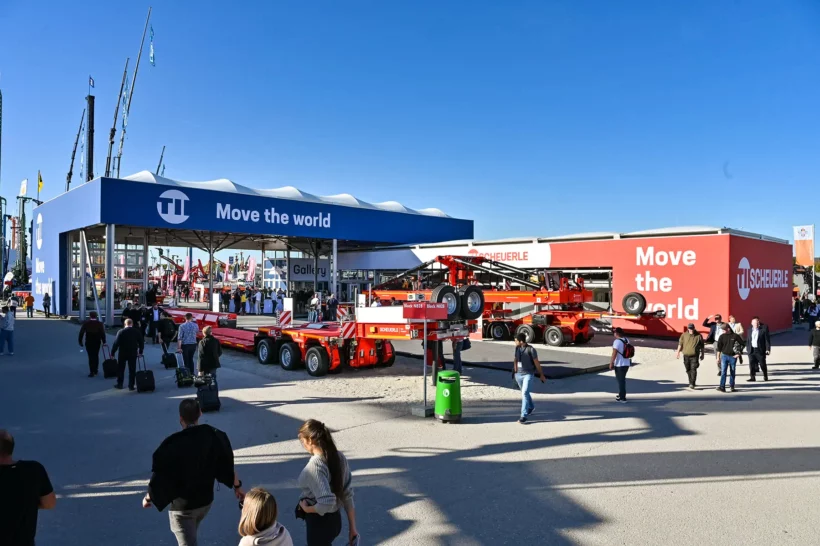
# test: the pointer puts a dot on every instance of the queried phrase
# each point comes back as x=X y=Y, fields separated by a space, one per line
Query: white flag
x=24 y=186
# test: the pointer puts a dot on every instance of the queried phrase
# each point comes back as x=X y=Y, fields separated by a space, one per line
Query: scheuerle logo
x=39 y=235
x=749 y=278
x=171 y=206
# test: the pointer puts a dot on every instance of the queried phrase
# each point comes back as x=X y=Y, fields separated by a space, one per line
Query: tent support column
x=110 y=244
x=211 y=270
x=334 y=270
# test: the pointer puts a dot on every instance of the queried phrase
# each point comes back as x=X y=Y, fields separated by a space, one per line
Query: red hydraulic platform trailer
x=559 y=315
x=357 y=341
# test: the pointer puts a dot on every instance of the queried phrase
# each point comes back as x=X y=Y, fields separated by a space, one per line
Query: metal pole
x=813 y=272
x=74 y=153
x=82 y=293
x=334 y=270
x=160 y=159
x=3 y=245
x=131 y=93
x=144 y=266
x=211 y=270
x=113 y=132
x=424 y=360
x=287 y=272
x=110 y=244
x=315 y=247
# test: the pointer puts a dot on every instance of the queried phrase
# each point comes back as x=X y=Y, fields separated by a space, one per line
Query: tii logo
x=744 y=285
x=39 y=234
x=171 y=206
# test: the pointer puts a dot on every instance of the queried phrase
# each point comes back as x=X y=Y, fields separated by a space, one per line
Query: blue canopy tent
x=72 y=231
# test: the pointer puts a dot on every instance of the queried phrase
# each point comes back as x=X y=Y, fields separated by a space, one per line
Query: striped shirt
x=315 y=483
x=188 y=332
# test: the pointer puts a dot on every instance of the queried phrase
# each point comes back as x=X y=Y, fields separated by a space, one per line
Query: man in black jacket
x=184 y=468
x=758 y=347
x=94 y=333
x=130 y=343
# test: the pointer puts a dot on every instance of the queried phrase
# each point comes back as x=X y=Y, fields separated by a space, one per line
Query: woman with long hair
x=325 y=484
x=259 y=525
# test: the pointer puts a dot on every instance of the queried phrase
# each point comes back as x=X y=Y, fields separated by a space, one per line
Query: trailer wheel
x=527 y=330
x=266 y=352
x=581 y=339
x=317 y=362
x=392 y=359
x=499 y=331
x=634 y=303
x=447 y=294
x=554 y=336
x=290 y=357
x=472 y=302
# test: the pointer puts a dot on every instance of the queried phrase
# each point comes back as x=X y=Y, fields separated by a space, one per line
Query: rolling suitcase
x=169 y=361
x=145 y=377
x=184 y=377
x=109 y=365
x=207 y=394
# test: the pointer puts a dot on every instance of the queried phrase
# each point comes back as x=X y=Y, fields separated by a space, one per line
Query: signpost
x=424 y=311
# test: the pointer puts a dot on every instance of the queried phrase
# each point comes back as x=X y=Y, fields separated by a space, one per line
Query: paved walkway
x=671 y=467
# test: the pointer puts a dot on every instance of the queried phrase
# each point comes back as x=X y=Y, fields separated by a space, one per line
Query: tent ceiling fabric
x=285 y=192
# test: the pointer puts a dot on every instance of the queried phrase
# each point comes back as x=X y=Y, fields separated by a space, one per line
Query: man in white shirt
x=313 y=316
x=620 y=363
x=758 y=346
x=258 y=302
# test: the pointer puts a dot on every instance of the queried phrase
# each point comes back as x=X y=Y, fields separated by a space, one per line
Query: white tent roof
x=285 y=192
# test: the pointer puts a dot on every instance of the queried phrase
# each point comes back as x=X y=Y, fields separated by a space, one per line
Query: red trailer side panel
x=760 y=282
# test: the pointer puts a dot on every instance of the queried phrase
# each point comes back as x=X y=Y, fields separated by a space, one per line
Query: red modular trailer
x=328 y=347
x=689 y=273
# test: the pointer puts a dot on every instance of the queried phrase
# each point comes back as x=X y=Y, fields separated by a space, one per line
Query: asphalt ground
x=672 y=466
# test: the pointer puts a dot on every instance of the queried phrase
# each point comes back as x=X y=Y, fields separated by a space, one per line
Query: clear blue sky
x=530 y=117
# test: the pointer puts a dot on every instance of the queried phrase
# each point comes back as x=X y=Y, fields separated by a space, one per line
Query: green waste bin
x=448 y=397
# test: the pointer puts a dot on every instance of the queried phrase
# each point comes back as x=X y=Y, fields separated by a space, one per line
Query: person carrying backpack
x=525 y=366
x=622 y=353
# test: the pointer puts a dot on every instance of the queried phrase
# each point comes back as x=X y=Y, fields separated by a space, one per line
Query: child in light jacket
x=258 y=525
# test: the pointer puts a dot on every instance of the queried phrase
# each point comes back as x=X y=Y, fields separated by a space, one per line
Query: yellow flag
x=39 y=182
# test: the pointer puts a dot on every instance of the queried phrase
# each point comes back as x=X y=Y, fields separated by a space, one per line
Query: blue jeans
x=729 y=362
x=620 y=375
x=6 y=336
x=524 y=381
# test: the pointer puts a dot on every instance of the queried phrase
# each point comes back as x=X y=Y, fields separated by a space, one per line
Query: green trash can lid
x=448 y=373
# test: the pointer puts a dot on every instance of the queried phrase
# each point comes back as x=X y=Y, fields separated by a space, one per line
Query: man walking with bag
x=525 y=366
x=185 y=467
x=94 y=332
x=186 y=341
x=130 y=343
x=691 y=344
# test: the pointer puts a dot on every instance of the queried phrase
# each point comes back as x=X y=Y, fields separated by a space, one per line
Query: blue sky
x=530 y=117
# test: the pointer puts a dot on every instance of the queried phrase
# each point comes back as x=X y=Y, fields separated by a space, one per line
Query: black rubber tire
x=472 y=302
x=634 y=303
x=390 y=361
x=553 y=336
x=581 y=340
x=290 y=357
x=266 y=351
x=317 y=361
x=527 y=330
x=447 y=294
x=499 y=331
